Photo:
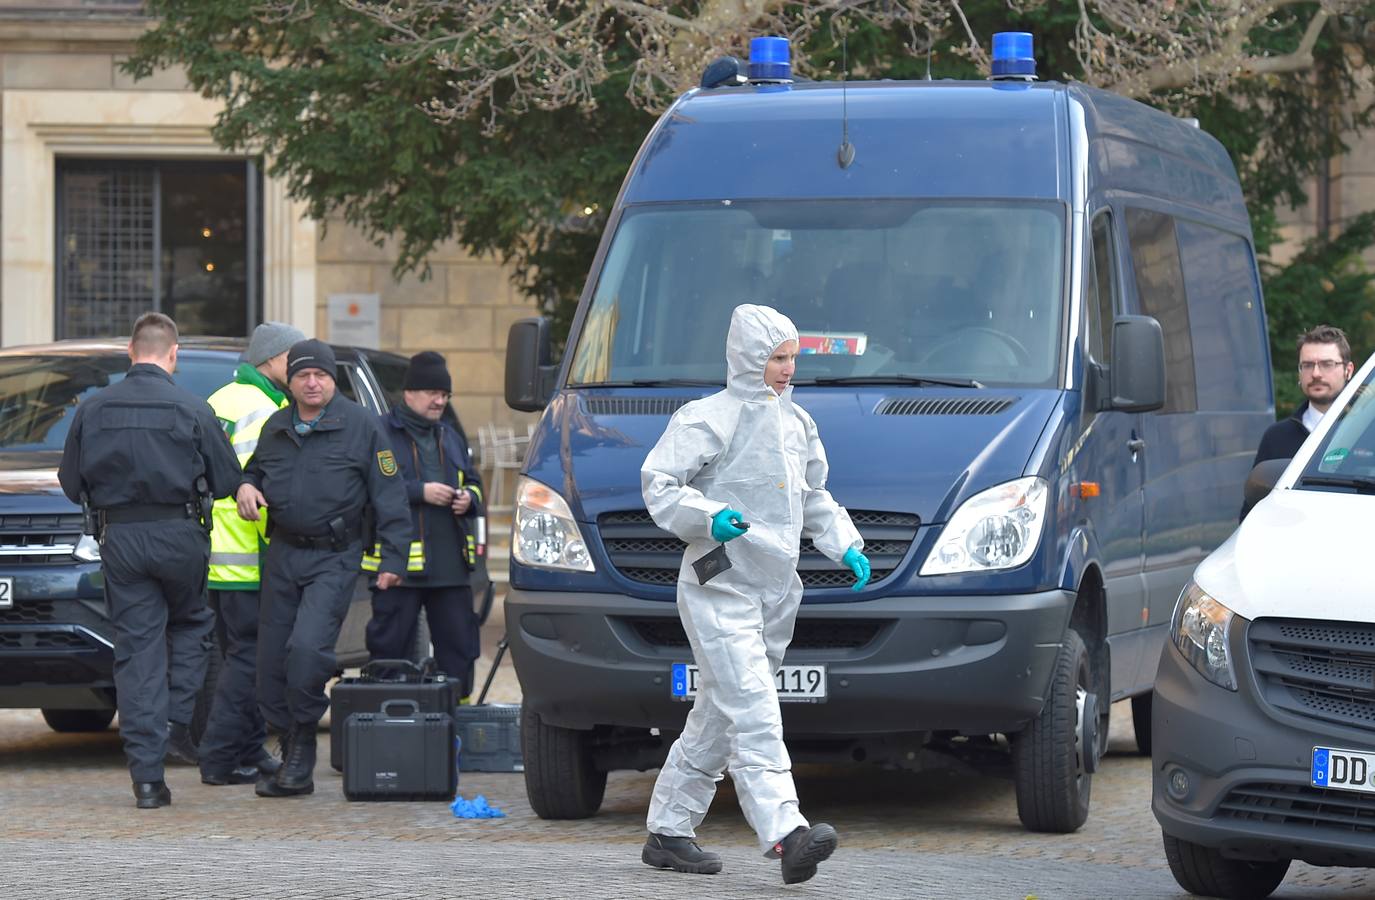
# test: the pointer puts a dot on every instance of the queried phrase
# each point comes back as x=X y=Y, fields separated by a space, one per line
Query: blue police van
x=1034 y=345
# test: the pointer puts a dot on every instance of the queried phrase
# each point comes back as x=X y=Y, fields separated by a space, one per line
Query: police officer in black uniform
x=321 y=465
x=147 y=455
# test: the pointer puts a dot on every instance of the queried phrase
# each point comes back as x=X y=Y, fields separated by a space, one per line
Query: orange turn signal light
x=1087 y=489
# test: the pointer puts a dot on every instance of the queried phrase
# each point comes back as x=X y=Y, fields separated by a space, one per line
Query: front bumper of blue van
x=971 y=664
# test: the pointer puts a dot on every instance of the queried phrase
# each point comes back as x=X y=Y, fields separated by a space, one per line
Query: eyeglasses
x=446 y=396
x=1322 y=365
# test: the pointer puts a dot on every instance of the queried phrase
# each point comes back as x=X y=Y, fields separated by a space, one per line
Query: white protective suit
x=754 y=451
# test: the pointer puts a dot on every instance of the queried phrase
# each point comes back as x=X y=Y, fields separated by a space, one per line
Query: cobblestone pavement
x=68 y=829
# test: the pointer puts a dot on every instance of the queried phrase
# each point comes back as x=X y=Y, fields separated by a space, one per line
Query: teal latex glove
x=859 y=564
x=723 y=527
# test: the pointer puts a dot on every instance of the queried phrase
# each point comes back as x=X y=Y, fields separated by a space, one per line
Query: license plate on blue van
x=1349 y=770
x=796 y=684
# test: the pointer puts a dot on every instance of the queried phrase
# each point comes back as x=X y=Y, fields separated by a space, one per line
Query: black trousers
x=235 y=732
x=453 y=628
x=155 y=584
x=305 y=596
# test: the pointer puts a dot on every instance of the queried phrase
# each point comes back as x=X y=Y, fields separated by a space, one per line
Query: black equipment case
x=382 y=680
x=489 y=732
x=399 y=753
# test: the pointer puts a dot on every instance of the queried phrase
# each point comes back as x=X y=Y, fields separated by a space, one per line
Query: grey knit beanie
x=270 y=339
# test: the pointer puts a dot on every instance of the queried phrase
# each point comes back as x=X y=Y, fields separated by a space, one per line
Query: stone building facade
x=98 y=181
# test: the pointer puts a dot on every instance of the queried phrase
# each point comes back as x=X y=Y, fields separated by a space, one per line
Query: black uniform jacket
x=343 y=466
x=143 y=440
x=1283 y=439
x=457 y=461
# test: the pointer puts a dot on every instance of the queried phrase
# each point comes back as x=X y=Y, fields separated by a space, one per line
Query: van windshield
x=1345 y=460
x=879 y=290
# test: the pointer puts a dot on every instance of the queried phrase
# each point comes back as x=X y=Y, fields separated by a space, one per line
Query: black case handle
x=398 y=670
x=414 y=709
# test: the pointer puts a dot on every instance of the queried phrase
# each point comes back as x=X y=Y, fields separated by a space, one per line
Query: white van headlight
x=995 y=529
x=545 y=535
x=1199 y=628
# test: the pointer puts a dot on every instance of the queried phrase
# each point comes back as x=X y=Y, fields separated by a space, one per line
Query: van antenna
x=846 y=154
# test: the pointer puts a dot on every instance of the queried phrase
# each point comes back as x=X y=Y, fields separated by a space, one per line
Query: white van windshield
x=970 y=292
x=1345 y=459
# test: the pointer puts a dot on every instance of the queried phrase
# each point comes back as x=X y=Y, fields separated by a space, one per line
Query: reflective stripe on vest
x=234 y=542
x=415 y=562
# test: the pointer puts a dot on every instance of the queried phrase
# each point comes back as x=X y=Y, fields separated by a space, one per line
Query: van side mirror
x=1137 y=375
x=530 y=372
x=1262 y=481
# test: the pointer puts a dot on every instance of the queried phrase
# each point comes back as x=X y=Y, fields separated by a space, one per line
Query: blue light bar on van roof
x=1012 y=55
x=770 y=59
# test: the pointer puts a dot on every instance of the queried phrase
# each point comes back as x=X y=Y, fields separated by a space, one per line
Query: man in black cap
x=321 y=464
x=145 y=452
x=445 y=494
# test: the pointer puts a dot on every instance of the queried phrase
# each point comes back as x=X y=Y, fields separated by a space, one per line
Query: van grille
x=635 y=406
x=1317 y=669
x=943 y=406
x=644 y=552
x=27 y=613
x=29 y=540
x=808 y=634
x=1295 y=804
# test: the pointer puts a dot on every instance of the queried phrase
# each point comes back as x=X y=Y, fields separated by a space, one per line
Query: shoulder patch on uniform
x=386 y=462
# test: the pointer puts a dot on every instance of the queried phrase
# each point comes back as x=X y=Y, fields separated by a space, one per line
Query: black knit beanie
x=428 y=372
x=310 y=354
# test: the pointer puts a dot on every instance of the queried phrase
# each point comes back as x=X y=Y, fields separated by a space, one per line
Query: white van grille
x=1319 y=669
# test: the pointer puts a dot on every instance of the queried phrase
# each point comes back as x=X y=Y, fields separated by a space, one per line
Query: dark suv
x=56 y=639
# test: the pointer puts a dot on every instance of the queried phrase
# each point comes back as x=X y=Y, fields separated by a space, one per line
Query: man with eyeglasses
x=445 y=494
x=1324 y=369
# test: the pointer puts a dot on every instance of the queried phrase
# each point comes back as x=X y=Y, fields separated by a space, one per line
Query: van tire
x=1141 y=721
x=78 y=721
x=1205 y=871
x=1052 y=783
x=561 y=778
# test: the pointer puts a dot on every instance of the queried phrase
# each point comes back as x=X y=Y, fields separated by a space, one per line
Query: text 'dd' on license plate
x=6 y=593
x=1349 y=770
x=796 y=684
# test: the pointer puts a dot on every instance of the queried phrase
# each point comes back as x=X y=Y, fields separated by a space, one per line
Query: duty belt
x=318 y=541
x=148 y=512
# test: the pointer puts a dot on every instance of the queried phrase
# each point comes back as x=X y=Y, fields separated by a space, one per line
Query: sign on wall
x=355 y=319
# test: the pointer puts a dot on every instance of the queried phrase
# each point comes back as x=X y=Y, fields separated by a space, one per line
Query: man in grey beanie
x=231 y=751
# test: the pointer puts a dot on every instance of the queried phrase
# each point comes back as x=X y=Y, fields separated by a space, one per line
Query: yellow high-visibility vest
x=234 y=542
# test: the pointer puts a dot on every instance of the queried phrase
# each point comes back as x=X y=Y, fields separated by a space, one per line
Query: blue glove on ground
x=723 y=527
x=859 y=564
x=477 y=808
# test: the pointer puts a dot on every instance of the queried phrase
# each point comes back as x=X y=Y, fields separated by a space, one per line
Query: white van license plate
x=796 y=684
x=6 y=593
x=1350 y=770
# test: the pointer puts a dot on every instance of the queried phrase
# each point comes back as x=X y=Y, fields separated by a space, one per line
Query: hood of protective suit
x=755 y=332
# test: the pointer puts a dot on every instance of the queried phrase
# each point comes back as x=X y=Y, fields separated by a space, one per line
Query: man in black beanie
x=321 y=463
x=445 y=494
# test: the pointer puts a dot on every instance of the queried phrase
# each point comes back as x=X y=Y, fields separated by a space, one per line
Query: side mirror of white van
x=1262 y=481
x=1137 y=375
x=530 y=372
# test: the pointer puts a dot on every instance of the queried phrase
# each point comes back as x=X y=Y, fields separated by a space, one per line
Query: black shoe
x=264 y=762
x=152 y=794
x=241 y=775
x=679 y=854
x=268 y=787
x=180 y=747
x=802 y=849
x=297 y=773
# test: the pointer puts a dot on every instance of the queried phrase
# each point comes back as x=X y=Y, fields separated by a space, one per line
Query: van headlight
x=995 y=529
x=1200 y=627
x=545 y=535
x=87 y=549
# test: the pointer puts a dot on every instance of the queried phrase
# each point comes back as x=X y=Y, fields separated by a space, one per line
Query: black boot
x=239 y=775
x=802 y=849
x=297 y=774
x=152 y=794
x=180 y=747
x=263 y=761
x=679 y=854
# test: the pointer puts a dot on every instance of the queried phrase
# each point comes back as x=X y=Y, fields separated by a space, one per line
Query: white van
x=1264 y=711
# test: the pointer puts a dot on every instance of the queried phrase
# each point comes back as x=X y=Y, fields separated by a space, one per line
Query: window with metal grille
x=179 y=237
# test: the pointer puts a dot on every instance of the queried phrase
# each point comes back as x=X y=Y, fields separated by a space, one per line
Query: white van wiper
x=652 y=382
x=892 y=379
x=1360 y=484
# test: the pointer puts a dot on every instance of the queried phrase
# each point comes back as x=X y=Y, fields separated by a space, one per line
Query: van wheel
x=1205 y=871
x=560 y=778
x=75 y=721
x=1141 y=721
x=1054 y=756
